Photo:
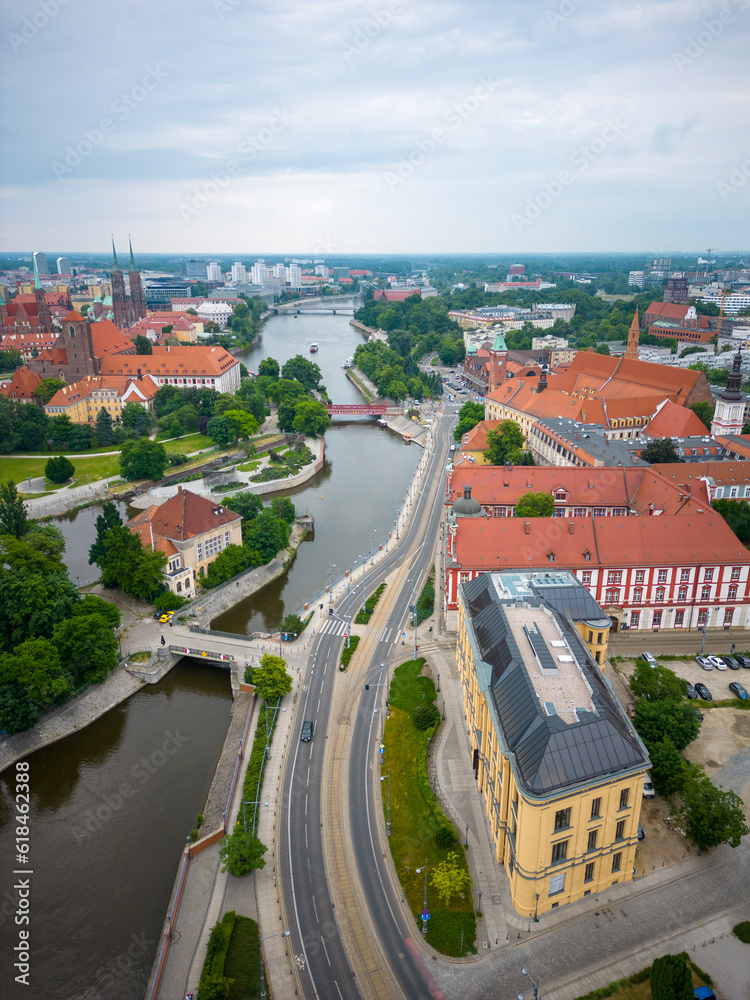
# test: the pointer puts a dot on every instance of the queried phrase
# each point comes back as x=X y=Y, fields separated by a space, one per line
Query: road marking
x=308 y=774
x=318 y=708
x=305 y=805
x=317 y=918
x=306 y=843
x=322 y=940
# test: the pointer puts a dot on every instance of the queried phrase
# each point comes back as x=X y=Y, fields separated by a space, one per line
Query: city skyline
x=396 y=127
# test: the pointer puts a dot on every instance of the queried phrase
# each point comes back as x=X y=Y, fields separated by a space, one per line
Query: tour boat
x=382 y=422
x=313 y=348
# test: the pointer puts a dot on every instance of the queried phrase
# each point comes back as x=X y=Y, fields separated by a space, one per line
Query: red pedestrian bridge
x=350 y=409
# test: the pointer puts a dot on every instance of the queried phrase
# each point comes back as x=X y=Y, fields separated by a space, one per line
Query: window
x=616 y=861
x=613 y=596
x=657 y=619
x=682 y=594
x=226 y=539
x=702 y=617
x=624 y=796
x=591 y=637
x=660 y=594
x=684 y=575
x=640 y=575
x=638 y=595
x=579 y=512
x=596 y=806
x=556 y=884
x=705 y=593
x=560 y=495
x=599 y=638
x=732 y=593
x=559 y=852
x=708 y=575
x=735 y=572
x=635 y=617
x=679 y=618
x=620 y=830
x=592 y=840
x=200 y=550
x=562 y=819
x=614 y=576
x=728 y=615
x=586 y=577
x=662 y=576
x=600 y=511
x=588 y=875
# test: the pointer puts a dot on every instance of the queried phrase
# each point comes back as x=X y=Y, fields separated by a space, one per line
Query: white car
x=650 y=659
x=718 y=662
x=648 y=786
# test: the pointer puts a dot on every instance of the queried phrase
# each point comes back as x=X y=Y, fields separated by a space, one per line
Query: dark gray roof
x=572 y=602
x=549 y=753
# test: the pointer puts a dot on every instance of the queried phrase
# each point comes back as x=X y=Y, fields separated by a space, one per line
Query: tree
x=602 y=349
x=271 y=678
x=535 y=505
x=35 y=666
x=47 y=388
x=671 y=978
x=104 y=427
x=265 y=536
x=292 y=625
x=450 y=878
x=713 y=816
x=32 y=427
x=10 y=359
x=310 y=417
x=87 y=648
x=284 y=509
x=307 y=373
x=660 y=451
x=135 y=418
x=128 y=567
x=221 y=431
x=59 y=470
x=469 y=416
x=199 y=290
x=737 y=515
x=80 y=437
x=241 y=853
x=108 y=519
x=13 y=520
x=667 y=767
x=248 y=505
x=657 y=720
x=693 y=349
x=705 y=411
x=142 y=459
x=59 y=429
x=90 y=604
x=270 y=367
x=424 y=716
x=655 y=683
x=142 y=345
x=504 y=443
x=17 y=713
x=243 y=424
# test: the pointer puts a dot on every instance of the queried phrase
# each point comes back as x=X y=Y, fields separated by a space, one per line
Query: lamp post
x=331 y=568
x=480 y=902
x=425 y=911
x=190 y=856
x=387 y=777
x=372 y=545
x=364 y=570
x=466 y=840
x=534 y=986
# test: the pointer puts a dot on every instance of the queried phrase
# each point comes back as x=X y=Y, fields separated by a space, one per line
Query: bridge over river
x=336 y=304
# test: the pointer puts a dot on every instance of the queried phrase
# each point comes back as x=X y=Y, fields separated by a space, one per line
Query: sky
x=338 y=126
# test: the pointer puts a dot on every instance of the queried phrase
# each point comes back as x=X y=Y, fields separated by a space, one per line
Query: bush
x=425 y=716
x=347 y=654
x=216 y=953
x=445 y=837
x=59 y=470
x=742 y=931
x=363 y=617
x=169 y=601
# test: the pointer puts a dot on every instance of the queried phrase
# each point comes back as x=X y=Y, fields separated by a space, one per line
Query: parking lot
x=722 y=749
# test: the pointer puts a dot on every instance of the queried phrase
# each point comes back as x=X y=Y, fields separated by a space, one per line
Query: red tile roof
x=184 y=516
x=672 y=420
x=170 y=361
x=23 y=385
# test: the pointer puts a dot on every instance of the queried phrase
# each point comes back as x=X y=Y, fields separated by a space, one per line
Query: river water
x=104 y=857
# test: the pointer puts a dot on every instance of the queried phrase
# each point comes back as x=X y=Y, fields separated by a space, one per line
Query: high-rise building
x=63 y=266
x=279 y=271
x=340 y=272
x=676 y=291
x=293 y=275
x=213 y=271
x=40 y=259
x=239 y=274
x=195 y=268
x=258 y=272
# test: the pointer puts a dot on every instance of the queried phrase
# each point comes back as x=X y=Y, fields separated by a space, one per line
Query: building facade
x=558 y=766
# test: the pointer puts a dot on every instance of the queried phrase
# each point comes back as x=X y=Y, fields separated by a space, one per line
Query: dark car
x=704 y=993
x=698 y=714
x=641 y=834
x=743 y=660
x=703 y=691
x=731 y=662
x=736 y=688
x=308 y=728
x=691 y=692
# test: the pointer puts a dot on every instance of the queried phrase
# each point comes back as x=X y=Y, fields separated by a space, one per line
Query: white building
x=239 y=274
x=732 y=303
x=293 y=275
x=258 y=272
x=213 y=271
x=63 y=266
x=217 y=312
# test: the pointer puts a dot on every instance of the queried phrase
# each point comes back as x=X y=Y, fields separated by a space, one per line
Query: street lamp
x=466 y=840
x=364 y=570
x=190 y=856
x=331 y=568
x=388 y=821
x=534 y=986
x=372 y=542
x=480 y=902
x=425 y=911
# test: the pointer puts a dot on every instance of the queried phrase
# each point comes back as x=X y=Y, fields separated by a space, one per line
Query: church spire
x=37 y=282
x=132 y=259
x=631 y=351
x=114 y=254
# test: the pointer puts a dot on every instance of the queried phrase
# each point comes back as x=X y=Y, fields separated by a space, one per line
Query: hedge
x=363 y=617
x=216 y=950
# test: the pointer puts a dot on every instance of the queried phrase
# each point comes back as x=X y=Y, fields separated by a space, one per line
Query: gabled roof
x=109 y=339
x=476 y=438
x=170 y=361
x=185 y=516
x=672 y=420
x=23 y=385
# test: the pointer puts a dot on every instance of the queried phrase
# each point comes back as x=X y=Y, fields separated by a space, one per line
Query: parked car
x=648 y=786
x=691 y=692
x=743 y=660
x=731 y=662
x=736 y=688
x=718 y=662
x=166 y=616
x=650 y=659
x=705 y=662
x=308 y=728
x=703 y=691
x=704 y=993
x=698 y=714
x=641 y=834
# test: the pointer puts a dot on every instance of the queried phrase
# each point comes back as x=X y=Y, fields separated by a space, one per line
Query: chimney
x=140 y=374
x=527 y=527
x=542 y=383
x=467 y=492
x=179 y=489
x=571 y=527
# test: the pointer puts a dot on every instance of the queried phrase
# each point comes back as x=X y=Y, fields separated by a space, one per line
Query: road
x=324 y=969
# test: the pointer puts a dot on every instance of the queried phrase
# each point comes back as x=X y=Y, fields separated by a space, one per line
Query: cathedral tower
x=119 y=301
x=631 y=351
x=137 y=296
x=728 y=415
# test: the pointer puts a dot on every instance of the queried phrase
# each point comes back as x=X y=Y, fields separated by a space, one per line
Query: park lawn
x=188 y=443
x=451 y=928
x=243 y=960
x=95 y=468
x=250 y=466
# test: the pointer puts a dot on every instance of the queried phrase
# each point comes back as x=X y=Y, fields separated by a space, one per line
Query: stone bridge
x=321 y=304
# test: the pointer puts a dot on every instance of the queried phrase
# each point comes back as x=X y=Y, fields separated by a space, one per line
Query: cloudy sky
x=344 y=126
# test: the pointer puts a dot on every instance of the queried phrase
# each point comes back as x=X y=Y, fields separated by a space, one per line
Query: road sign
x=425 y=915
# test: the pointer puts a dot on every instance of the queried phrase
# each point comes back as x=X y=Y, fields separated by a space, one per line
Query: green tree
x=142 y=345
x=660 y=451
x=108 y=519
x=241 y=853
x=668 y=768
x=737 y=515
x=36 y=668
x=713 y=816
x=199 y=289
x=143 y=459
x=469 y=416
x=602 y=349
x=17 y=713
x=310 y=417
x=80 y=437
x=450 y=878
x=135 y=418
x=271 y=678
x=229 y=562
x=284 y=508
x=243 y=424
x=270 y=367
x=249 y=505
x=658 y=720
x=59 y=429
x=705 y=411
x=655 y=683
x=10 y=359
x=32 y=427
x=307 y=373
x=128 y=567
x=32 y=603
x=424 y=716
x=90 y=604
x=87 y=648
x=48 y=387
x=671 y=978
x=535 y=505
x=59 y=470
x=104 y=427
x=265 y=536
x=13 y=520
x=504 y=443
x=221 y=431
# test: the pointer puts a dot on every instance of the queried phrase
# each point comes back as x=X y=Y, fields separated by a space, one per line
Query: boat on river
x=313 y=348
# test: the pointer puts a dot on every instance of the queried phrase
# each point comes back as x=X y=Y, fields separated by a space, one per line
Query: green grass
x=347 y=654
x=243 y=960
x=416 y=817
x=95 y=468
x=250 y=466
x=191 y=442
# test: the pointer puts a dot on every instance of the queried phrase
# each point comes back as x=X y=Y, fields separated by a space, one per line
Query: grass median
x=416 y=817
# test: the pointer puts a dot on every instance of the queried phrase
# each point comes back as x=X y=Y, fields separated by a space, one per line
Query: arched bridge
x=373 y=409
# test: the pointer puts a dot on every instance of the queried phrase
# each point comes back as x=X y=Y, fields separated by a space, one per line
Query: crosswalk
x=332 y=627
x=391 y=634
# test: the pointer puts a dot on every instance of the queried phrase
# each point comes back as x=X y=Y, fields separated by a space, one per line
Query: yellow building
x=559 y=767
x=82 y=400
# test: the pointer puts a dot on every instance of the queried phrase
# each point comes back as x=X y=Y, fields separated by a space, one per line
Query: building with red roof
x=81 y=401
x=200 y=365
x=22 y=386
x=671 y=420
x=396 y=294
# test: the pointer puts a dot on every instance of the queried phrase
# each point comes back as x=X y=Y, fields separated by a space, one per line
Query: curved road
x=323 y=967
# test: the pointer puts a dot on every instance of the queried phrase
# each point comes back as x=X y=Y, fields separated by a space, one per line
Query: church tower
x=728 y=415
x=42 y=309
x=498 y=360
x=119 y=301
x=137 y=296
x=631 y=351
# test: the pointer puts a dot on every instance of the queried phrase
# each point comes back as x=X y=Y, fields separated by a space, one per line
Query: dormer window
x=551 y=556
x=587 y=556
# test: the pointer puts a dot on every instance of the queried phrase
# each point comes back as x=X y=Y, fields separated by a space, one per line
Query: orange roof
x=672 y=420
x=109 y=339
x=514 y=542
x=476 y=438
x=90 y=384
x=738 y=443
x=23 y=385
x=689 y=474
x=74 y=317
x=170 y=361
x=183 y=516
